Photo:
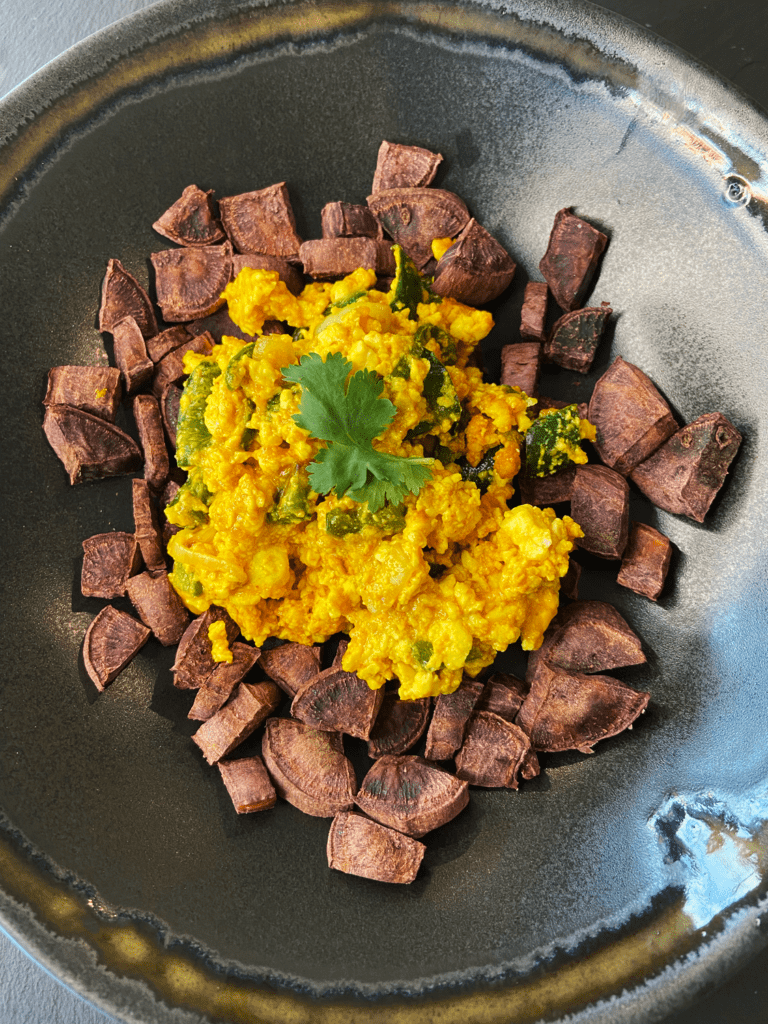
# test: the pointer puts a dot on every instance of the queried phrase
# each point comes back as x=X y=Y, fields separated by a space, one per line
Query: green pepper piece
x=184 y=580
x=482 y=474
x=407 y=289
x=292 y=505
x=340 y=522
x=422 y=651
x=233 y=376
x=389 y=518
x=552 y=440
x=191 y=431
x=192 y=499
x=431 y=332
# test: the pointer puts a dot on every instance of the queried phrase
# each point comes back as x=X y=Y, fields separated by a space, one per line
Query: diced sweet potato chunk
x=521 y=365
x=108 y=560
x=493 y=751
x=131 y=355
x=686 y=473
x=338 y=701
x=399 y=166
x=94 y=389
x=191 y=220
x=329 y=258
x=158 y=605
x=544 y=491
x=166 y=341
x=241 y=715
x=573 y=711
x=113 y=639
x=646 y=560
x=348 y=220
x=149 y=423
x=571 y=259
x=189 y=282
x=261 y=221
x=631 y=417
x=449 y=719
x=147 y=526
x=413 y=217
x=308 y=767
x=588 y=636
x=600 y=505
x=194 y=660
x=89 y=447
x=122 y=296
x=398 y=725
x=359 y=846
x=248 y=784
x=291 y=665
x=502 y=694
x=476 y=268
x=575 y=337
x=407 y=793
x=533 y=315
x=170 y=369
x=219 y=683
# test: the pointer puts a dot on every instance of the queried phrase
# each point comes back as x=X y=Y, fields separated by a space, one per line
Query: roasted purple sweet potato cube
x=308 y=767
x=131 y=355
x=189 y=282
x=248 y=784
x=191 y=220
x=686 y=473
x=476 y=268
x=147 y=526
x=166 y=341
x=112 y=641
x=194 y=660
x=449 y=719
x=493 y=751
x=109 y=559
x=170 y=403
x=170 y=369
x=646 y=560
x=573 y=711
x=520 y=366
x=348 y=220
x=158 y=605
x=89 y=447
x=94 y=389
x=533 y=315
x=221 y=681
x=544 y=491
x=338 y=701
x=413 y=217
x=631 y=417
x=149 y=423
x=122 y=296
x=569 y=584
x=291 y=665
x=261 y=221
x=398 y=725
x=407 y=793
x=574 y=338
x=569 y=264
x=329 y=258
x=241 y=715
x=502 y=694
x=399 y=166
x=600 y=505
x=588 y=636
x=359 y=846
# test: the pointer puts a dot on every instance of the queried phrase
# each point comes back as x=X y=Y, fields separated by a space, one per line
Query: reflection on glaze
x=717 y=852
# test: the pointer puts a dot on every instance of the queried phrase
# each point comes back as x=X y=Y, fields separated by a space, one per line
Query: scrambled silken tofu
x=427 y=588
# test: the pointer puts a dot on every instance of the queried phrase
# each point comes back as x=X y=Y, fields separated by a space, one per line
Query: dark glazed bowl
x=612 y=887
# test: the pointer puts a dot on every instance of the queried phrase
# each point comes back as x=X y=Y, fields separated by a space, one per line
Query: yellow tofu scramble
x=428 y=587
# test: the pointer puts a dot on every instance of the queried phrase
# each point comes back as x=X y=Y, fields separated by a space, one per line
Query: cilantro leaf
x=349 y=415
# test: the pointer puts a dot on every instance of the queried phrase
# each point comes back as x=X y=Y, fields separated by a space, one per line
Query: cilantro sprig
x=349 y=415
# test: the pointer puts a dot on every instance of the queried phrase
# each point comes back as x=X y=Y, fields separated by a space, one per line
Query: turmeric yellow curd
x=428 y=588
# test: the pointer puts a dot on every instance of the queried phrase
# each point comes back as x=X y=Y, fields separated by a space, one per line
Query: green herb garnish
x=349 y=415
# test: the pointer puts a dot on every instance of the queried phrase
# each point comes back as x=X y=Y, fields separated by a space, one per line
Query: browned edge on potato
x=158 y=605
x=131 y=356
x=291 y=665
x=588 y=636
x=348 y=220
x=521 y=366
x=533 y=314
x=338 y=701
x=122 y=296
x=399 y=166
x=261 y=222
x=574 y=338
x=149 y=424
x=147 y=526
x=194 y=660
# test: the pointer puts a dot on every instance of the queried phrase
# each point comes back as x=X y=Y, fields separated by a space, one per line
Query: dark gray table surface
x=731 y=38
